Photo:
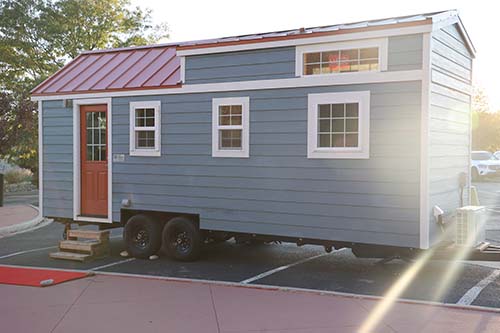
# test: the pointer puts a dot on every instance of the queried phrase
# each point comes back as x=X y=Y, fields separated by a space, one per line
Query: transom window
x=369 y=55
x=337 y=61
x=230 y=135
x=145 y=128
x=338 y=125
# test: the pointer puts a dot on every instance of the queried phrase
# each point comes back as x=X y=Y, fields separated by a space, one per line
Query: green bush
x=16 y=176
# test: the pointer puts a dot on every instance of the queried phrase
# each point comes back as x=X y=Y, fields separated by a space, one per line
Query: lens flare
x=453 y=264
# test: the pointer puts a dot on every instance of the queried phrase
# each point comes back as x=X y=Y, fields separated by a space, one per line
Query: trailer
x=350 y=135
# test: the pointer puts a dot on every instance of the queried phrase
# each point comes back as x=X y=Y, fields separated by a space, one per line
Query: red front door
x=93 y=157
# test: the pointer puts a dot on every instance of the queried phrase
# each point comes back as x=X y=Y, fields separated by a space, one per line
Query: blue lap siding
x=278 y=190
x=404 y=53
x=57 y=159
x=449 y=120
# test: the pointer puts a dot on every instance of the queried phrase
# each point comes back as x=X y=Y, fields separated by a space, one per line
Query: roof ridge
x=298 y=30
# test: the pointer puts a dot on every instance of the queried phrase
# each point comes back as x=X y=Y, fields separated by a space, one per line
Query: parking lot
x=287 y=265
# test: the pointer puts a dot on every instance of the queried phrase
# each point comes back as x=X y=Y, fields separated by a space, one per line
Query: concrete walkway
x=15 y=214
x=17 y=218
x=111 y=303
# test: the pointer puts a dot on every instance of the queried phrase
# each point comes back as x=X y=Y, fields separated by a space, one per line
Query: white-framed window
x=231 y=127
x=338 y=125
x=368 y=55
x=145 y=128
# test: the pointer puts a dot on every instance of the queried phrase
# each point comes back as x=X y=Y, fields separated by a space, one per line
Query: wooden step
x=88 y=234
x=70 y=256
x=89 y=246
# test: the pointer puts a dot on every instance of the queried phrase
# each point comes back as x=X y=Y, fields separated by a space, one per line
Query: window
x=230 y=127
x=145 y=128
x=338 y=125
x=95 y=136
x=338 y=61
x=342 y=57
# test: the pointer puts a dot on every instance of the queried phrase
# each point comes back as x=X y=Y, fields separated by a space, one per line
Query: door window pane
x=95 y=128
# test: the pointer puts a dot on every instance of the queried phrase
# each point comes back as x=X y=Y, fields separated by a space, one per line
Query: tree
x=37 y=37
x=485 y=123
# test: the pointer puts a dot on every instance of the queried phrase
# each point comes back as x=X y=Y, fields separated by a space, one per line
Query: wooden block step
x=89 y=234
x=70 y=256
x=89 y=246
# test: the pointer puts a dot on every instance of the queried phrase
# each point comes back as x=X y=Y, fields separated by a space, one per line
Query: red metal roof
x=157 y=66
x=120 y=69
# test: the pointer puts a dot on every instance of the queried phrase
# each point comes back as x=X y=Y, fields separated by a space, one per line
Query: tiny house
x=342 y=135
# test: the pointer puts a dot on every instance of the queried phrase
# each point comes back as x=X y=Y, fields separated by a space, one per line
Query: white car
x=497 y=154
x=484 y=163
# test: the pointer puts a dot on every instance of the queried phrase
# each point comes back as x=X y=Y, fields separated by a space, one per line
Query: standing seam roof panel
x=136 y=69
x=118 y=71
x=152 y=68
x=165 y=73
x=104 y=71
x=87 y=73
x=72 y=73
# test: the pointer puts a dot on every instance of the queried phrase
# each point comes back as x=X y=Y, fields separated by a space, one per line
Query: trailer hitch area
x=482 y=252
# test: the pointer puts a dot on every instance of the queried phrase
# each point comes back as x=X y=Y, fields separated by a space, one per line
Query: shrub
x=16 y=176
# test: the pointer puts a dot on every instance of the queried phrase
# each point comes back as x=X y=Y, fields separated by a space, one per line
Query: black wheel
x=142 y=236
x=181 y=239
x=475 y=174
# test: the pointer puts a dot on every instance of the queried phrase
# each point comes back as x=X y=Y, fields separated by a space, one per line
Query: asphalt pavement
x=286 y=265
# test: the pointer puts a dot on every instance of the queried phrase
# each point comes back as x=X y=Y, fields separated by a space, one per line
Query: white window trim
x=361 y=152
x=381 y=43
x=156 y=151
x=245 y=122
x=183 y=69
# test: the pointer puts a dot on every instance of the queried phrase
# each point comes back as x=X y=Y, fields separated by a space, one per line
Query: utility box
x=470 y=226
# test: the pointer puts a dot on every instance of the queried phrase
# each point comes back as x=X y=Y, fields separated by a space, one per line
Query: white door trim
x=76 y=160
x=40 y=158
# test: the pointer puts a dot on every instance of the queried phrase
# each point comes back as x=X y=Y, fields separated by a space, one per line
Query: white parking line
x=474 y=292
x=282 y=268
x=112 y=264
x=26 y=251
x=39 y=249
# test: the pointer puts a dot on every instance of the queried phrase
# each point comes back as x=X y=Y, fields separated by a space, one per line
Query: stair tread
x=70 y=256
x=89 y=234
x=81 y=242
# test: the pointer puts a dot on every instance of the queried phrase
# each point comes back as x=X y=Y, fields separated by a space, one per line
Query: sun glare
x=452 y=263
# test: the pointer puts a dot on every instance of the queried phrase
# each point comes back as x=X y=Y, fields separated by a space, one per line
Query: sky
x=191 y=20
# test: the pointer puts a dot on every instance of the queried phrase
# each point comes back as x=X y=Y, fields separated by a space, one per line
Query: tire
x=182 y=239
x=142 y=236
x=475 y=175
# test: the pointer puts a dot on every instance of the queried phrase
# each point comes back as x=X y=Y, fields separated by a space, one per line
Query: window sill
x=231 y=153
x=150 y=153
x=342 y=74
x=338 y=154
